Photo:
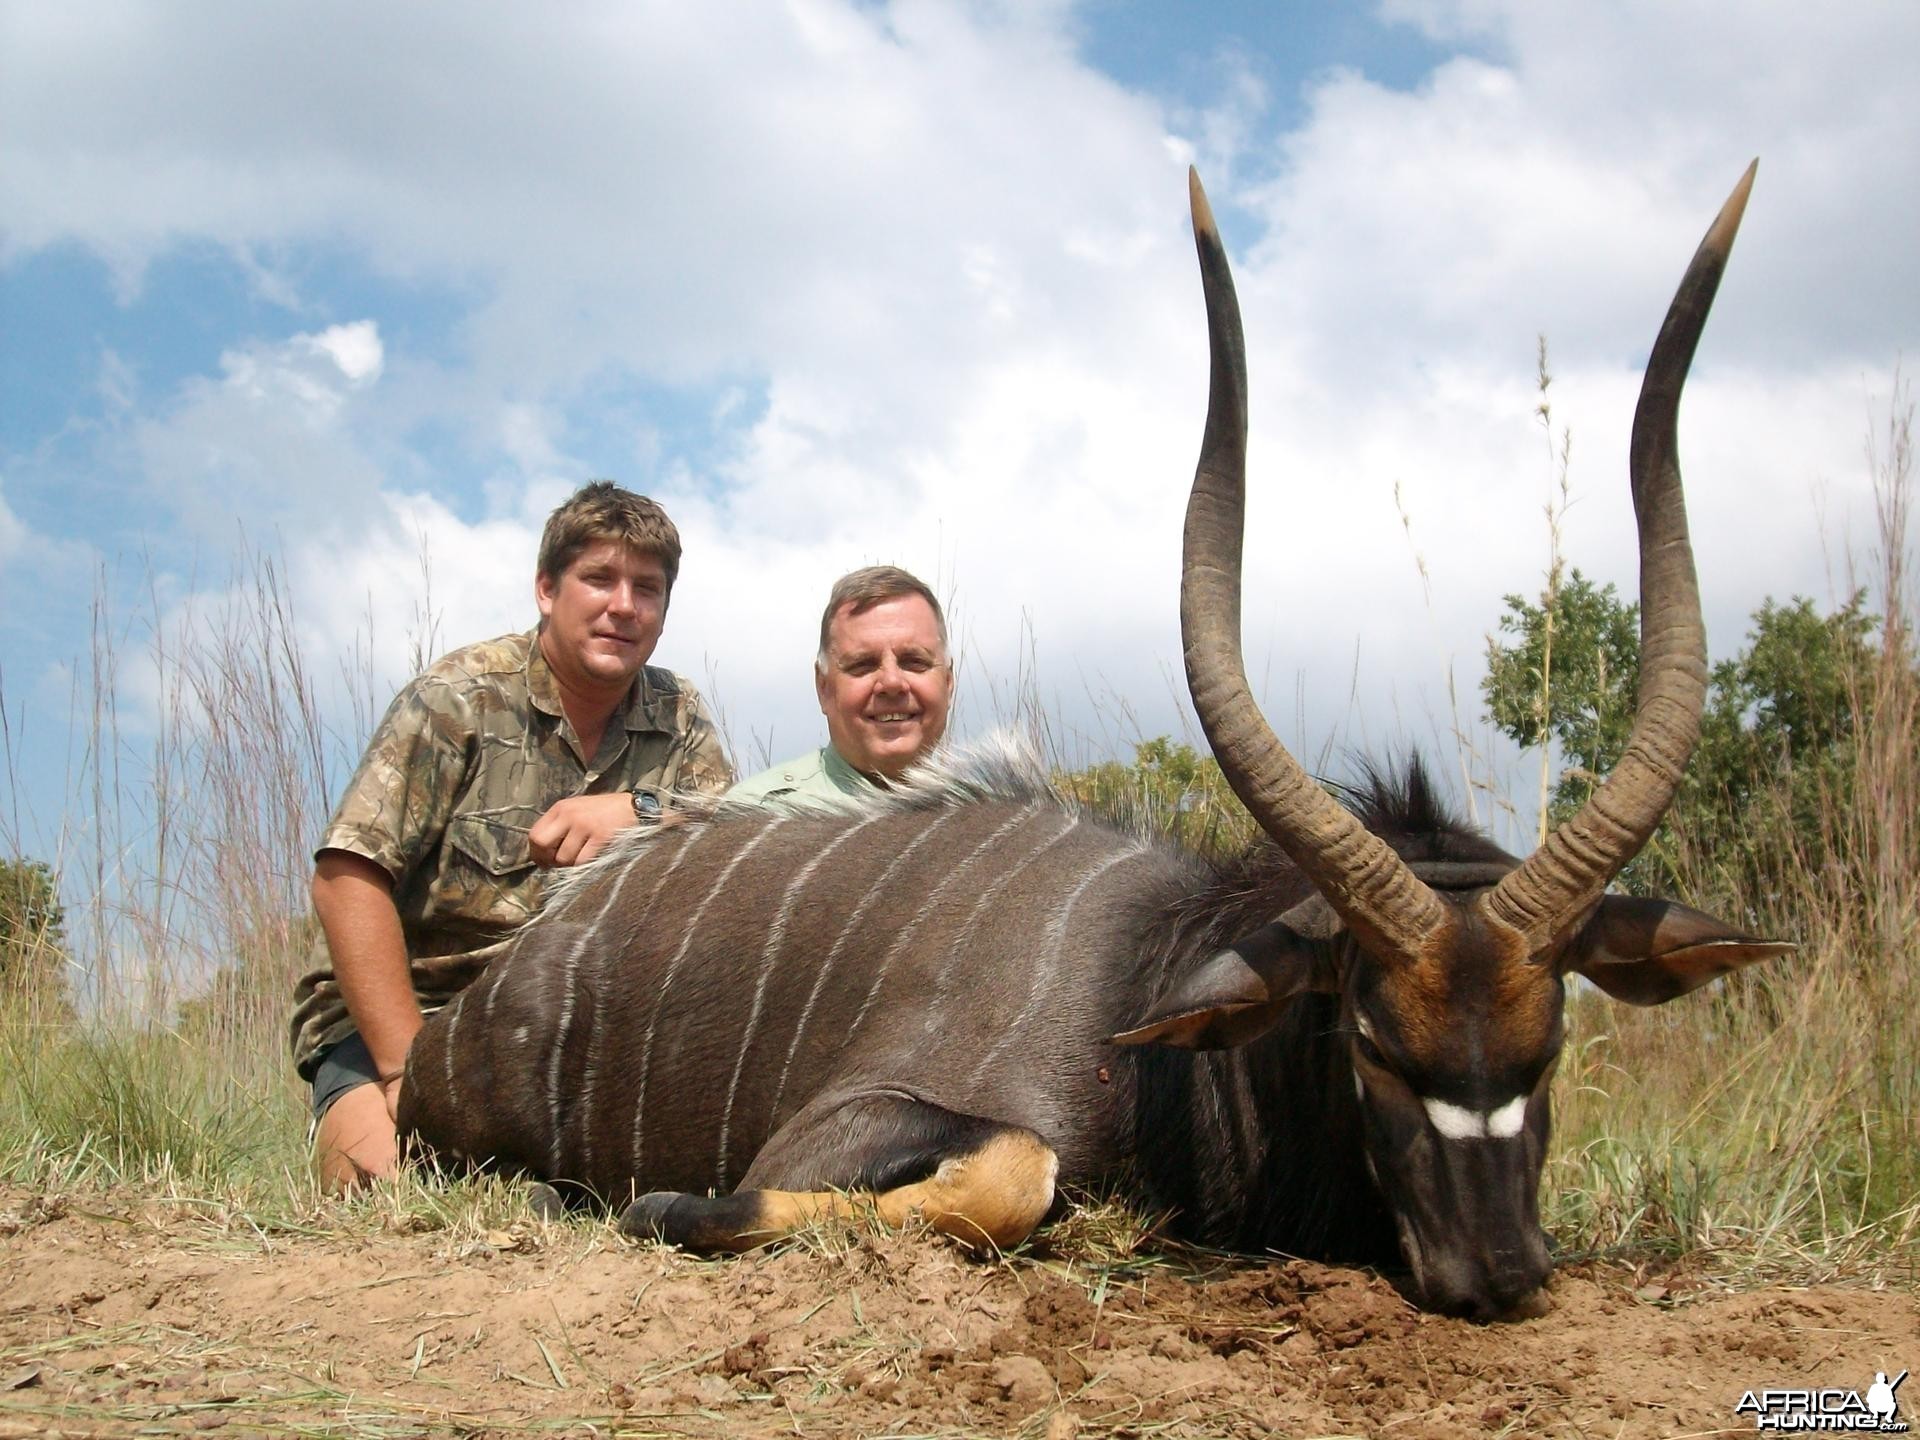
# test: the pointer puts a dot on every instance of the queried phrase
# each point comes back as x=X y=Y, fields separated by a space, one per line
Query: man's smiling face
x=603 y=616
x=887 y=684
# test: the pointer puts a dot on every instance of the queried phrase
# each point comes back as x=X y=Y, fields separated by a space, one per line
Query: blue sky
x=843 y=283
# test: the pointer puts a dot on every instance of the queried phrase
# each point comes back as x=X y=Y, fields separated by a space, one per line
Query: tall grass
x=1775 y=1120
x=164 y=1052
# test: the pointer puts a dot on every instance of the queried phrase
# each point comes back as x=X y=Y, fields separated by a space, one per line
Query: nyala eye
x=1369 y=1051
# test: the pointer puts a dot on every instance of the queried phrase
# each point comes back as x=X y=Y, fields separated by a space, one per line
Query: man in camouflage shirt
x=508 y=756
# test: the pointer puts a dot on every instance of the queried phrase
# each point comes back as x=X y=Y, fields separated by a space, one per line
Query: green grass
x=121 y=1106
x=1760 y=1133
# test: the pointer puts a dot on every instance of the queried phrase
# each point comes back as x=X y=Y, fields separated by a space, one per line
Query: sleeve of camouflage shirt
x=397 y=805
x=704 y=768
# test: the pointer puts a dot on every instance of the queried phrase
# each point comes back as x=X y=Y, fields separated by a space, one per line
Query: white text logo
x=1876 y=1409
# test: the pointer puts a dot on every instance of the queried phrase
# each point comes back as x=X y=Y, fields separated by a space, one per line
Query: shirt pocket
x=488 y=882
x=494 y=841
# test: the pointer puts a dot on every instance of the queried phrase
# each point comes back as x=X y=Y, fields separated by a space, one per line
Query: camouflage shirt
x=469 y=755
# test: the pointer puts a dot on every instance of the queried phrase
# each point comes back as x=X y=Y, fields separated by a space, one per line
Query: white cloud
x=418 y=580
x=41 y=575
x=933 y=270
x=527 y=436
x=13 y=534
x=271 y=442
x=355 y=348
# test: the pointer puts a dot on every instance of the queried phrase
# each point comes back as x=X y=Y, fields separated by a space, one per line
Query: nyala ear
x=1648 y=952
x=1237 y=994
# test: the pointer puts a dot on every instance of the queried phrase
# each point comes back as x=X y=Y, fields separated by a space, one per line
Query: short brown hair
x=865 y=588
x=600 y=511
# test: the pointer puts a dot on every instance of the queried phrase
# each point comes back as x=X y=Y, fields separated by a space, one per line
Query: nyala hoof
x=545 y=1202
x=646 y=1218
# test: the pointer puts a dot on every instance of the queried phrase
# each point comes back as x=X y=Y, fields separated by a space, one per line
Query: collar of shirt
x=837 y=769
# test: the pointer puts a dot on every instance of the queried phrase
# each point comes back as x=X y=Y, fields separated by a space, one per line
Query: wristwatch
x=646 y=804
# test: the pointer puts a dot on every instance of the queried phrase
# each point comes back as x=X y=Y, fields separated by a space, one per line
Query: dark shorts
x=339 y=1069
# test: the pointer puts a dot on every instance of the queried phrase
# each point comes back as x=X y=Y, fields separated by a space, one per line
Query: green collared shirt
x=470 y=754
x=817 y=780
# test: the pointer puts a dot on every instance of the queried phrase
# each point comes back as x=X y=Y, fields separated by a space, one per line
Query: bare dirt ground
x=118 y=1318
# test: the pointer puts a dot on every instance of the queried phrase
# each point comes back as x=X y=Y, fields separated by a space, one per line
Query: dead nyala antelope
x=955 y=1001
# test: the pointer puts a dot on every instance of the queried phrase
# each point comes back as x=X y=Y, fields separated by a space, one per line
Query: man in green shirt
x=501 y=760
x=884 y=680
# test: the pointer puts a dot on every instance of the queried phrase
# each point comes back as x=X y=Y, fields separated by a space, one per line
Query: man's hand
x=390 y=1092
x=578 y=828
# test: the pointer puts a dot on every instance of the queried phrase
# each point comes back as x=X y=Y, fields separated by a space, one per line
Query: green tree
x=1778 y=752
x=33 y=938
x=1776 y=739
x=1584 y=698
x=1171 y=788
x=1794 y=694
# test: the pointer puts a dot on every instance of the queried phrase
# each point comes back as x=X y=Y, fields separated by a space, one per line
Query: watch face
x=646 y=804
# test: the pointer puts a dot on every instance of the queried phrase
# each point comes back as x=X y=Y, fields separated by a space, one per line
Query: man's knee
x=355 y=1141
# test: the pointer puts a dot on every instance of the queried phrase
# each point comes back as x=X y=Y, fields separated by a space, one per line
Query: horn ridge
x=1567 y=874
x=1386 y=906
